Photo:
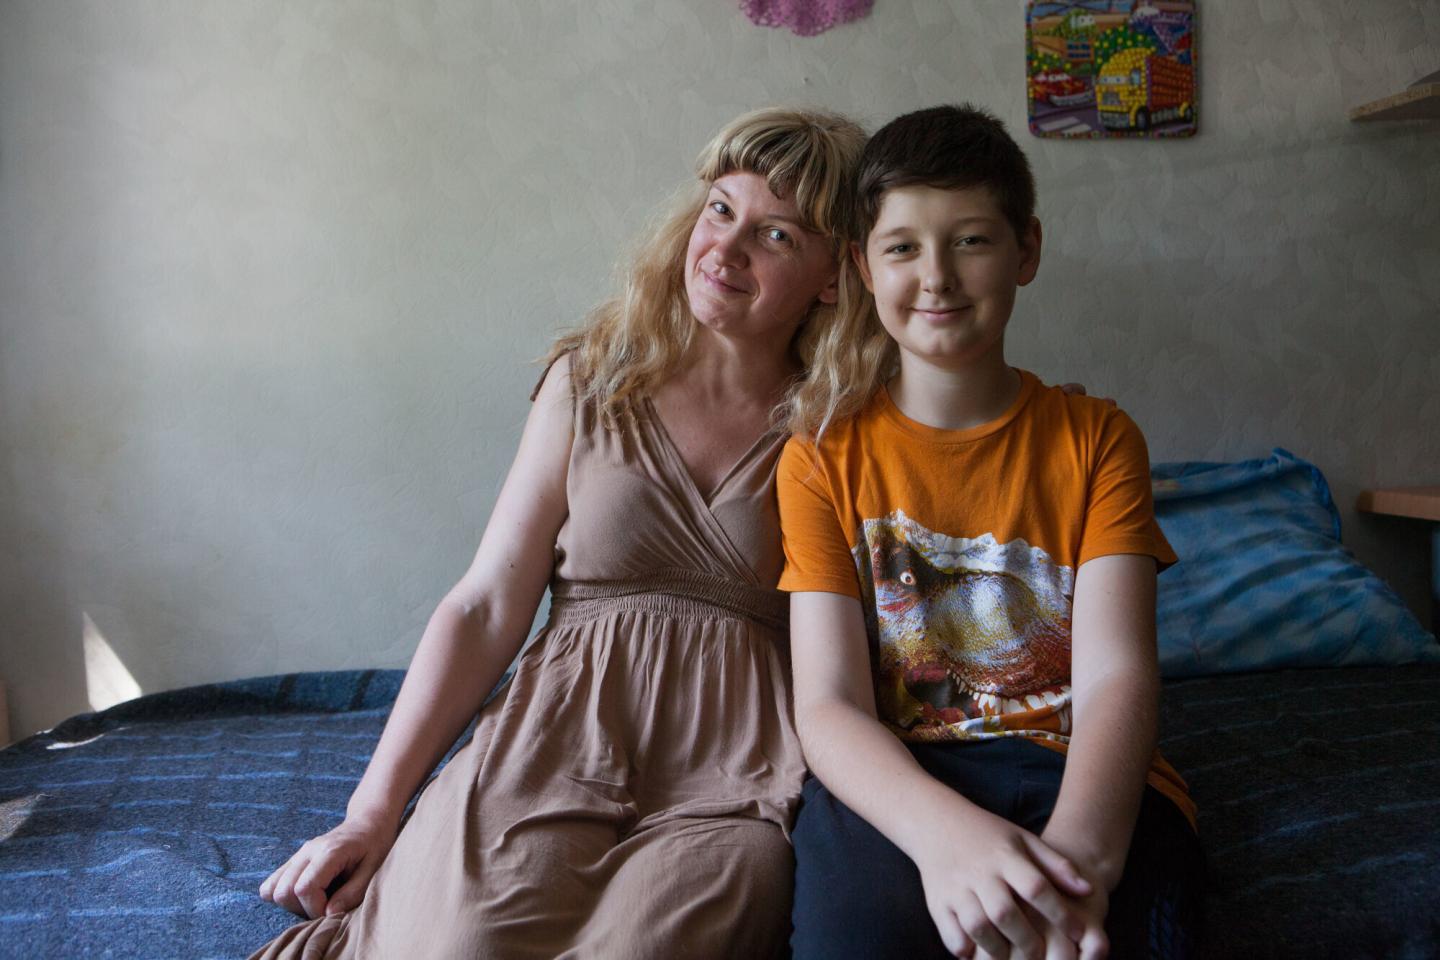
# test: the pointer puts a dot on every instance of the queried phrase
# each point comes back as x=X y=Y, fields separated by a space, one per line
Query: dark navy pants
x=857 y=895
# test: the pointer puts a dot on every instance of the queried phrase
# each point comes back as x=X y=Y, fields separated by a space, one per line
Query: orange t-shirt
x=962 y=547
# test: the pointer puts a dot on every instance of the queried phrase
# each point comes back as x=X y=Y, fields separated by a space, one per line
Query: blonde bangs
x=806 y=156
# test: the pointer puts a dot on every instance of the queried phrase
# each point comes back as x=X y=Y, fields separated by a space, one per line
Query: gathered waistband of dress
x=684 y=593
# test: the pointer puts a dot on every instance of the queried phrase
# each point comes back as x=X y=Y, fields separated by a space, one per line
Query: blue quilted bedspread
x=142 y=832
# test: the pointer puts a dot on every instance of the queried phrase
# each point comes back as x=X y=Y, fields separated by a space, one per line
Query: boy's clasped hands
x=996 y=890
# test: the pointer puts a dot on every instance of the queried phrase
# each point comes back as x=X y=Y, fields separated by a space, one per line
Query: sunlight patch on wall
x=107 y=682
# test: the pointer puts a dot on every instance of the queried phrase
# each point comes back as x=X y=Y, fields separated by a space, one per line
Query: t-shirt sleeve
x=817 y=552
x=1120 y=510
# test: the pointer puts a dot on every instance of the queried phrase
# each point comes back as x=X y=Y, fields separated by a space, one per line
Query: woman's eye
x=777 y=235
x=973 y=241
x=720 y=207
x=900 y=248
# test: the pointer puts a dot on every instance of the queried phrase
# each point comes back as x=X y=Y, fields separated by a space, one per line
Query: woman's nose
x=729 y=249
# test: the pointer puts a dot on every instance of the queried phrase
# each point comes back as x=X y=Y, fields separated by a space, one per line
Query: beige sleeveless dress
x=629 y=794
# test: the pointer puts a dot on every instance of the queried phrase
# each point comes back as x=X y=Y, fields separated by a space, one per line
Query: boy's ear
x=1030 y=244
x=857 y=254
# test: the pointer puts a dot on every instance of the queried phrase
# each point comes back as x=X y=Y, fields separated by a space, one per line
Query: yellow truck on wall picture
x=1139 y=88
x=1110 y=68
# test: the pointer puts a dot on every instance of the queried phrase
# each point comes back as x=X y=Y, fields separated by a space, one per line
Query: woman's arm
x=473 y=635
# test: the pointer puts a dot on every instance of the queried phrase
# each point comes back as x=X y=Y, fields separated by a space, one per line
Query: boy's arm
x=979 y=871
x=1115 y=686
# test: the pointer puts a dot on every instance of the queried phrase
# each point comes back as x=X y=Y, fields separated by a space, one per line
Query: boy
x=972 y=564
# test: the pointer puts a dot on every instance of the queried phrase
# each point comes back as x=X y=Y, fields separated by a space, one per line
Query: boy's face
x=944 y=266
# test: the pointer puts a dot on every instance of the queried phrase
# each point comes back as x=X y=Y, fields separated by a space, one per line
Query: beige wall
x=270 y=274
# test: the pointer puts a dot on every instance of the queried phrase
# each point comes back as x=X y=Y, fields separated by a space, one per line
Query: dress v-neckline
x=763 y=441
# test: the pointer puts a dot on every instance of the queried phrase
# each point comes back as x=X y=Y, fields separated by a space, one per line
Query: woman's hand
x=474 y=633
x=351 y=853
x=1078 y=390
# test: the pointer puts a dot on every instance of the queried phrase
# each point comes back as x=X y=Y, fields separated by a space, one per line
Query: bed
x=143 y=831
x=1308 y=729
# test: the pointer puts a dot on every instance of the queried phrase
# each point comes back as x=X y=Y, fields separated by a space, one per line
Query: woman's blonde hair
x=630 y=343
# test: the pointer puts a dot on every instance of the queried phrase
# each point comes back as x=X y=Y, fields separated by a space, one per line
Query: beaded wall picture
x=1110 y=68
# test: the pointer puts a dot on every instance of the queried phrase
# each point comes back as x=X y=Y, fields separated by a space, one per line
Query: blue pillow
x=1263 y=581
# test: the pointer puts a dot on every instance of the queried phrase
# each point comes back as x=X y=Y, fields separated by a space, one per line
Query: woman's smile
x=753 y=266
x=725 y=287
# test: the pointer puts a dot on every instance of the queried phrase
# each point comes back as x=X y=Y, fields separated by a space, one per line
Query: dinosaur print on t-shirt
x=971 y=637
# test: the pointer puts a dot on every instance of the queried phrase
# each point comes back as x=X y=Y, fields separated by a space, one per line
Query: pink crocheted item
x=805 y=17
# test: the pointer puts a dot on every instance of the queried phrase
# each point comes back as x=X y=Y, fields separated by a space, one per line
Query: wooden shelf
x=1420 y=102
x=1422 y=503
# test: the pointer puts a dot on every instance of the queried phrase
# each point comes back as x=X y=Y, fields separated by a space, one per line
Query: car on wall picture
x=1111 y=68
x=1061 y=89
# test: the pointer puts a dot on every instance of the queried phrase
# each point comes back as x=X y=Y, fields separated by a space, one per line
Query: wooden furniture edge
x=1413 y=103
x=1420 y=503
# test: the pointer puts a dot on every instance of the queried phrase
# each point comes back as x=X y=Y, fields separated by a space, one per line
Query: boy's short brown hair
x=949 y=147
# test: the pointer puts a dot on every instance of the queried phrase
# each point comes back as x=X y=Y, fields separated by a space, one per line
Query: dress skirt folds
x=629 y=794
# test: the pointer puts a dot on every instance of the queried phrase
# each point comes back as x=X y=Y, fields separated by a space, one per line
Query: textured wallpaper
x=271 y=275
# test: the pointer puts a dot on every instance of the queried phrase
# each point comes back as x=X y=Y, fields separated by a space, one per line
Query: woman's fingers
x=283 y=892
x=302 y=884
x=348 y=897
x=315 y=879
x=267 y=886
x=270 y=888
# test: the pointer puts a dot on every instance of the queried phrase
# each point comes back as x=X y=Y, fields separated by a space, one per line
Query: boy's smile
x=940 y=314
x=944 y=266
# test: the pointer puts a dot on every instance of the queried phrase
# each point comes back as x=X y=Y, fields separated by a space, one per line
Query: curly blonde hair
x=630 y=343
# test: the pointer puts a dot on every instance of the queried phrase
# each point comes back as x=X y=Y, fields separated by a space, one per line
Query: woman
x=628 y=795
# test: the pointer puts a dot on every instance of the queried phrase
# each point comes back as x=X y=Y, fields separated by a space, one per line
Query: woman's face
x=752 y=270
